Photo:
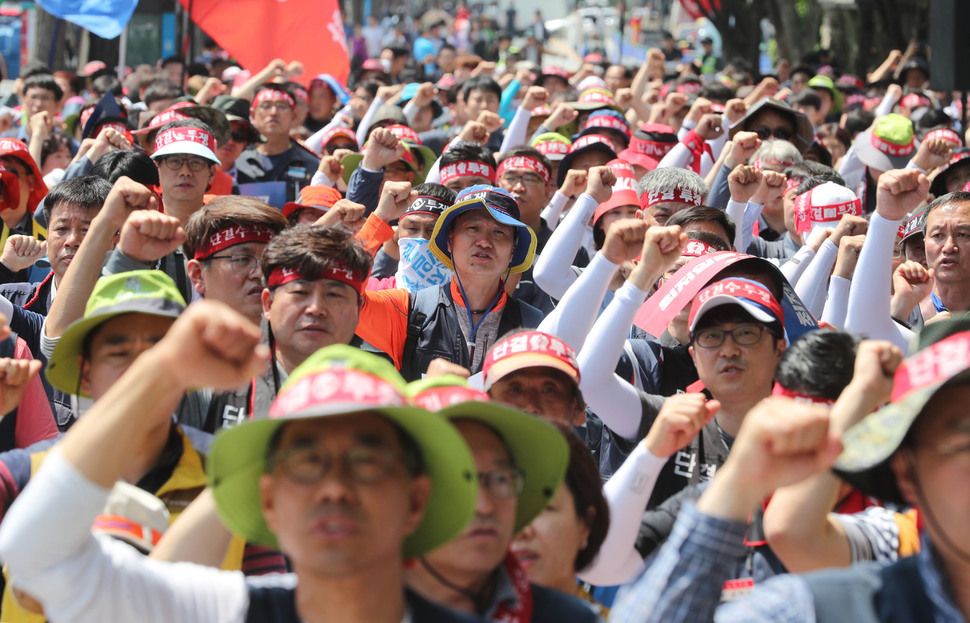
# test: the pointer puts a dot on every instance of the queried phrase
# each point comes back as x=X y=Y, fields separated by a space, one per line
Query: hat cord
x=480 y=599
x=471 y=321
x=925 y=509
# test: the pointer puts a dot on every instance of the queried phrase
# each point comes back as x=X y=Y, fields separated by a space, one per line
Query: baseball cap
x=889 y=145
x=536 y=448
x=823 y=206
x=149 y=292
x=185 y=140
x=752 y=296
x=319 y=197
x=649 y=144
x=941 y=356
x=134 y=516
x=624 y=190
x=335 y=381
x=914 y=225
x=528 y=349
x=503 y=208
x=17 y=149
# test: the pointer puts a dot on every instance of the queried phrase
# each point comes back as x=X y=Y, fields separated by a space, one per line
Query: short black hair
x=87 y=191
x=716 y=92
x=129 y=163
x=161 y=90
x=398 y=50
x=806 y=97
x=807 y=169
x=818 y=364
x=169 y=60
x=698 y=214
x=858 y=120
x=480 y=83
x=959 y=196
x=43 y=81
x=107 y=83
x=438 y=191
x=467 y=151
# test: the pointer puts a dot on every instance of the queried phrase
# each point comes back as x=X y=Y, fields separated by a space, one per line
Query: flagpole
x=122 y=54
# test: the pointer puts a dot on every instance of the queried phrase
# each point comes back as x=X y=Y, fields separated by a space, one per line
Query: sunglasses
x=780 y=133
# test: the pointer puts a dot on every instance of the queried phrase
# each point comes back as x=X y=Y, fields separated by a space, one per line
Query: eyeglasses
x=527 y=179
x=238 y=264
x=781 y=133
x=269 y=105
x=240 y=136
x=194 y=164
x=745 y=335
x=505 y=482
x=306 y=465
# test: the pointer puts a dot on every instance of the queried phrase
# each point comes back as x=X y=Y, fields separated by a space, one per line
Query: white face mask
x=418 y=268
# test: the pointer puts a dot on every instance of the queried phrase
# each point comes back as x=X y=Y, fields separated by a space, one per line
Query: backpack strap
x=422 y=305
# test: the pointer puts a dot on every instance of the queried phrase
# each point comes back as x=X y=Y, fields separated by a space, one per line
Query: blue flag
x=105 y=18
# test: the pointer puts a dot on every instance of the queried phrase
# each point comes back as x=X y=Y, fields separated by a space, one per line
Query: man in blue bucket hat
x=483 y=241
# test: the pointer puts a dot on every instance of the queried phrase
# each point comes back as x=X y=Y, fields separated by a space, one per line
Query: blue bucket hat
x=503 y=208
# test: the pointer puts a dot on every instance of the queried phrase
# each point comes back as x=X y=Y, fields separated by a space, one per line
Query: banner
x=677 y=293
x=105 y=18
x=255 y=32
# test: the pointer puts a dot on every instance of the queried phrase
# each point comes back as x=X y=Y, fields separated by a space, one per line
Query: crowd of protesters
x=472 y=337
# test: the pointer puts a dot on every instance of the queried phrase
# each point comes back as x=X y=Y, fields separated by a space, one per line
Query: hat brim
x=804 y=130
x=64 y=368
x=501 y=369
x=869 y=445
x=536 y=448
x=523 y=254
x=632 y=157
x=237 y=460
x=187 y=147
x=350 y=162
x=719 y=300
x=872 y=157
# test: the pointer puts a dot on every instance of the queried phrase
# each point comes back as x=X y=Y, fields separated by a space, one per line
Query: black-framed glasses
x=240 y=264
x=504 y=482
x=781 y=133
x=195 y=164
x=526 y=179
x=745 y=335
x=364 y=464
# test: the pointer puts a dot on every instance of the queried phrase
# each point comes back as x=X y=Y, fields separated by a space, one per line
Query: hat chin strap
x=924 y=508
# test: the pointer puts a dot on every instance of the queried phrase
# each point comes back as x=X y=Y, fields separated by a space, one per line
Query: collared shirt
x=685 y=580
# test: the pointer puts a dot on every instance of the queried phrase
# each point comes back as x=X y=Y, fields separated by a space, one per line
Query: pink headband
x=184 y=135
x=696 y=248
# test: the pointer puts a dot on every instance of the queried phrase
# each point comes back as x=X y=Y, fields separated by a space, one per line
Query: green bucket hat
x=149 y=292
x=337 y=381
x=889 y=145
x=411 y=154
x=824 y=82
x=941 y=358
x=536 y=448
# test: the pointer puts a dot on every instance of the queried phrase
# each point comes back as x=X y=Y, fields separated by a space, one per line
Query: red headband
x=914 y=99
x=230 y=236
x=684 y=195
x=525 y=162
x=792 y=182
x=465 y=167
x=891 y=149
x=272 y=94
x=946 y=134
x=301 y=93
x=335 y=271
x=120 y=128
x=696 y=248
x=552 y=148
x=184 y=135
x=778 y=390
x=934 y=364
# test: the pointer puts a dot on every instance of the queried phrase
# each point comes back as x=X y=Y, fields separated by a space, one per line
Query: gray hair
x=775 y=152
x=670 y=178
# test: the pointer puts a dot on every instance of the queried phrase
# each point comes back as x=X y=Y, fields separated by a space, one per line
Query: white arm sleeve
x=752 y=212
x=320 y=179
x=796 y=265
x=886 y=105
x=735 y=209
x=868 y=313
x=627 y=493
x=366 y=120
x=811 y=287
x=552 y=212
x=553 y=272
x=837 y=302
x=47 y=544
x=679 y=156
x=6 y=307
x=515 y=133
x=613 y=399
x=572 y=318
x=47 y=344
x=411 y=111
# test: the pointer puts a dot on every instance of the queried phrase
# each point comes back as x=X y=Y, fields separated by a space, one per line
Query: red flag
x=255 y=32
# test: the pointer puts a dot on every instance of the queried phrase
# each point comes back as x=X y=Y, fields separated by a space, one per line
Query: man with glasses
x=226 y=240
x=279 y=158
x=521 y=461
x=349 y=483
x=186 y=160
x=241 y=132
